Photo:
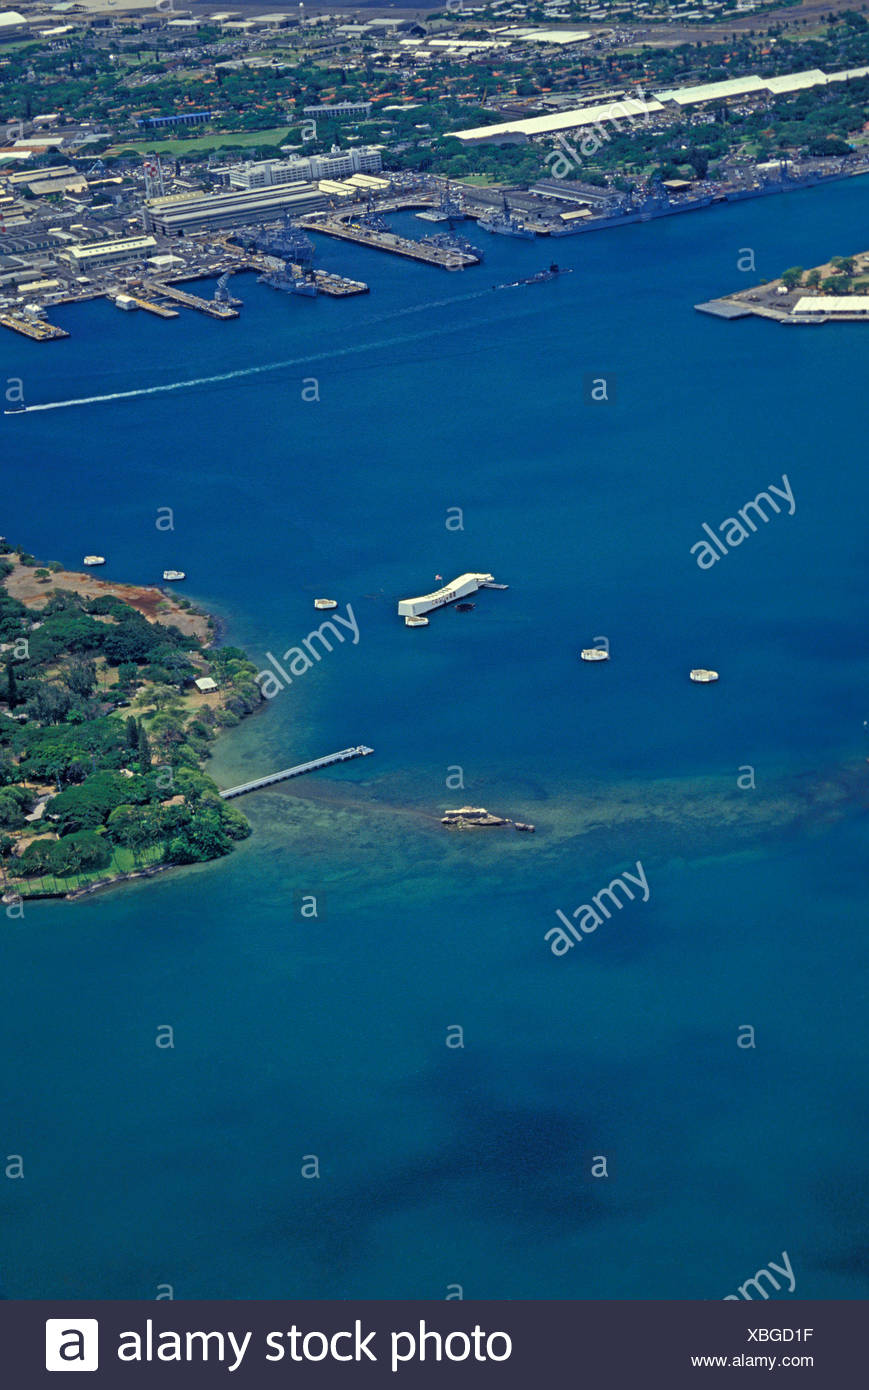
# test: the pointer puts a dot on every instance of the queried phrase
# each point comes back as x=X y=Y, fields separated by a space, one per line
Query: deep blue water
x=471 y=1166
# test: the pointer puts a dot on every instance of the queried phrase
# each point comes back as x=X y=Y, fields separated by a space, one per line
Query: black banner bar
x=258 y=1345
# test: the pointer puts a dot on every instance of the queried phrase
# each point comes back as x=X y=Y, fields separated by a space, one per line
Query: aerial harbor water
x=368 y=449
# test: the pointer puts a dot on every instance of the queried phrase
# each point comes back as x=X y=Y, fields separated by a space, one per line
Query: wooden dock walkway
x=344 y=756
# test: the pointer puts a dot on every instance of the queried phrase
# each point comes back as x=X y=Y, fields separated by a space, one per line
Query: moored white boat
x=411 y=621
x=91 y=560
x=594 y=654
x=700 y=676
x=174 y=574
x=325 y=603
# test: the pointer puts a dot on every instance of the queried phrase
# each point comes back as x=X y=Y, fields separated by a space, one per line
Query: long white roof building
x=631 y=107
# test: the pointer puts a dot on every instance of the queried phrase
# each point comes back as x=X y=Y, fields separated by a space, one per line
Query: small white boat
x=415 y=622
x=94 y=560
x=174 y=574
x=594 y=654
x=325 y=603
x=700 y=676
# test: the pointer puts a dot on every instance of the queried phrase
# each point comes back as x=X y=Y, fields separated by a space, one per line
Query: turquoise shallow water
x=471 y=1166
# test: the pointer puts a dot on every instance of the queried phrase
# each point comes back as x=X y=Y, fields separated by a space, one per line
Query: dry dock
x=388 y=241
x=37 y=329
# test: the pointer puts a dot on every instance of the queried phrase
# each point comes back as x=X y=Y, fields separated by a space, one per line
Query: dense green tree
x=81 y=676
x=11 y=687
x=144 y=750
x=699 y=161
x=202 y=838
x=88 y=805
x=81 y=853
x=49 y=704
x=14 y=803
x=135 y=828
x=34 y=860
x=14 y=618
x=66 y=751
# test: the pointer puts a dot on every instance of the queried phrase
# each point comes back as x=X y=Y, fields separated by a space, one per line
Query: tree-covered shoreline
x=104 y=734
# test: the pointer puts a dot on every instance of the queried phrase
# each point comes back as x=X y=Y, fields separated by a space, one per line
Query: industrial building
x=25 y=176
x=628 y=109
x=677 y=98
x=184 y=213
x=66 y=183
x=98 y=253
x=572 y=191
x=368 y=183
x=12 y=24
x=334 y=188
x=833 y=304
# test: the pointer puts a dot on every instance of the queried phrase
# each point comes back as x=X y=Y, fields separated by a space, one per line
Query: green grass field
x=123 y=862
x=279 y=135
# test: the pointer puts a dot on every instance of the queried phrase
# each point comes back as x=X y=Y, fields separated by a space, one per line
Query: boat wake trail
x=241 y=372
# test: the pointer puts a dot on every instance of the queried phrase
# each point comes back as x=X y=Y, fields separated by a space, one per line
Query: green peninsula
x=104 y=731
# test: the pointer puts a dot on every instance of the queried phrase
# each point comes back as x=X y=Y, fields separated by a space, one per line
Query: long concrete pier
x=159 y=309
x=344 y=756
x=213 y=307
x=388 y=241
x=37 y=329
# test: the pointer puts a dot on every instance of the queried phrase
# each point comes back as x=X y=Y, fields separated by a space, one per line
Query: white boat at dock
x=91 y=560
x=174 y=574
x=325 y=603
x=411 y=621
x=700 y=676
